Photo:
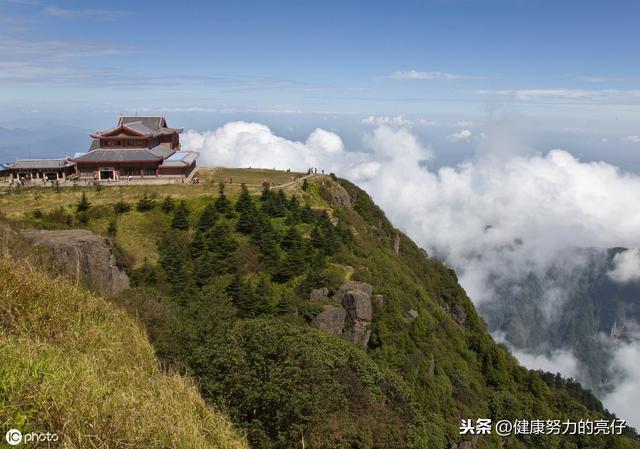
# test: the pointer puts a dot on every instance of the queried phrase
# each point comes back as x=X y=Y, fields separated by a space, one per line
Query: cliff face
x=587 y=314
x=87 y=257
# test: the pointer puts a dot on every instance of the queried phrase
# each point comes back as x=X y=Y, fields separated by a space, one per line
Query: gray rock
x=331 y=319
x=359 y=315
x=353 y=286
x=413 y=313
x=377 y=301
x=319 y=294
x=396 y=243
x=86 y=256
x=339 y=196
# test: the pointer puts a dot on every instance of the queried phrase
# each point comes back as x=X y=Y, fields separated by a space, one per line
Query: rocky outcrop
x=457 y=312
x=86 y=256
x=331 y=320
x=353 y=319
x=377 y=301
x=336 y=195
x=319 y=294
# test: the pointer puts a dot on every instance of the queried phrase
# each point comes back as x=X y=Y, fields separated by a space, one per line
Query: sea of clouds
x=508 y=210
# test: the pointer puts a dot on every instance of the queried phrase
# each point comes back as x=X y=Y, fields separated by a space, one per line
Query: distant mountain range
x=573 y=306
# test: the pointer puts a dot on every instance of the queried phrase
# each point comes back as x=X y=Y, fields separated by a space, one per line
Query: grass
x=75 y=365
x=15 y=204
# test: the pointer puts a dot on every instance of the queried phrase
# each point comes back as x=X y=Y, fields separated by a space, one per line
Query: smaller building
x=43 y=169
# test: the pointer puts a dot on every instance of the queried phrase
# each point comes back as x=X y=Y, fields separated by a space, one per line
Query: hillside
x=77 y=366
x=306 y=316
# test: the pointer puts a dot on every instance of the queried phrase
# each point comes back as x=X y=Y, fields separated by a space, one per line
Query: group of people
x=314 y=170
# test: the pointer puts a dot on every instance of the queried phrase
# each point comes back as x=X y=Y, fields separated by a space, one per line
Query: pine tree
x=221 y=243
x=205 y=268
x=263 y=298
x=168 y=204
x=280 y=204
x=245 y=202
x=222 y=203
x=145 y=203
x=84 y=204
x=181 y=217
x=174 y=261
x=290 y=239
x=266 y=201
x=306 y=214
x=199 y=244
x=207 y=218
x=112 y=228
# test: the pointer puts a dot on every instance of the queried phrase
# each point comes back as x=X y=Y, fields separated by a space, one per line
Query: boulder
x=86 y=256
x=353 y=286
x=359 y=315
x=319 y=294
x=331 y=320
x=413 y=313
x=377 y=301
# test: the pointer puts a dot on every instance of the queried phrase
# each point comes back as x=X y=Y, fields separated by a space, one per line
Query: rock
x=331 y=319
x=457 y=312
x=87 y=257
x=359 y=315
x=339 y=196
x=413 y=313
x=353 y=286
x=319 y=294
x=396 y=243
x=377 y=301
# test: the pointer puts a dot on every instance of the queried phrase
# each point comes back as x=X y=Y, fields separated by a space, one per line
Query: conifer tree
x=145 y=203
x=306 y=214
x=199 y=244
x=83 y=205
x=245 y=202
x=174 y=261
x=245 y=206
x=222 y=203
x=207 y=218
x=112 y=228
x=168 y=204
x=181 y=217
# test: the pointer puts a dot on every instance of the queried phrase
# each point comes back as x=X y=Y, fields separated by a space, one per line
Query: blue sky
x=564 y=66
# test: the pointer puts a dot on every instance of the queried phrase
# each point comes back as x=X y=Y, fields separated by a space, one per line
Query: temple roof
x=119 y=155
x=180 y=159
x=147 y=126
x=40 y=164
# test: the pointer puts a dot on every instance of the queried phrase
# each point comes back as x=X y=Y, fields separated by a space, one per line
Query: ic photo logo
x=15 y=437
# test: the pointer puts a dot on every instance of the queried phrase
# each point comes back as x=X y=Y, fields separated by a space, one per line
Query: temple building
x=138 y=147
x=41 y=169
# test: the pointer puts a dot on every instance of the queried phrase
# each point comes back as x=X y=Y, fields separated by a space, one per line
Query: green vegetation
x=75 y=365
x=221 y=280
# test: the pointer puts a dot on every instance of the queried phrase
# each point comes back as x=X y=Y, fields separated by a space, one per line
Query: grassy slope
x=73 y=364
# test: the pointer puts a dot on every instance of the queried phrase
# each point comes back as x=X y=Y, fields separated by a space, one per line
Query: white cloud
x=398 y=120
x=625 y=397
x=100 y=14
x=631 y=139
x=243 y=144
x=567 y=96
x=416 y=75
x=626 y=266
x=462 y=135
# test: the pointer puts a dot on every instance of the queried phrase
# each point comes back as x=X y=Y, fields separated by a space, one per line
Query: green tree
x=181 y=217
x=146 y=203
x=174 y=261
x=83 y=205
x=112 y=228
x=168 y=204
x=121 y=207
x=222 y=203
x=207 y=218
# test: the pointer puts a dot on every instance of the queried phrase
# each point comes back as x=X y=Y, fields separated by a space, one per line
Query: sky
x=569 y=68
